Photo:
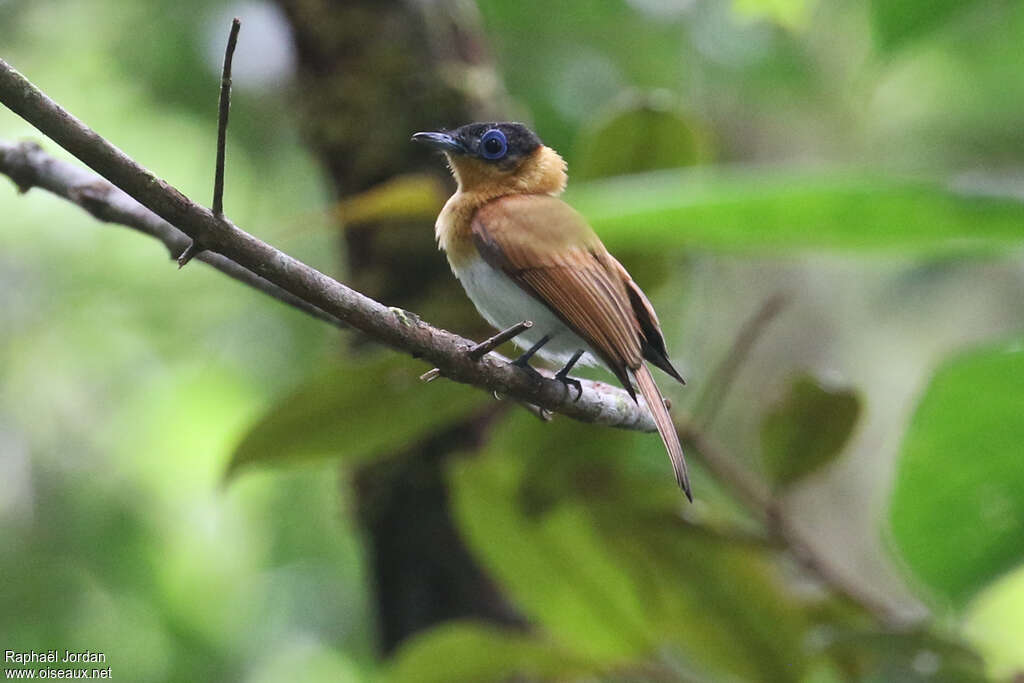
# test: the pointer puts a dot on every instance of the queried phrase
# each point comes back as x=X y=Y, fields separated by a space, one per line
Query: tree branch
x=759 y=501
x=29 y=166
x=151 y=206
x=721 y=379
x=309 y=289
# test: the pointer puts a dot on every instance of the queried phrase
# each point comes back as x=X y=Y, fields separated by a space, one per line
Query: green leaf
x=791 y=14
x=914 y=656
x=994 y=623
x=639 y=133
x=366 y=406
x=957 y=509
x=464 y=651
x=807 y=430
x=554 y=567
x=774 y=208
x=584 y=531
x=897 y=21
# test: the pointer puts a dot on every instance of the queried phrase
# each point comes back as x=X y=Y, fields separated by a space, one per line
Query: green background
x=861 y=159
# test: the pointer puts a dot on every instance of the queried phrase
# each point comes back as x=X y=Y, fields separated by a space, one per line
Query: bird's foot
x=563 y=377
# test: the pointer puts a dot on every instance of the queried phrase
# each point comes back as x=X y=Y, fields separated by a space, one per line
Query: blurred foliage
x=476 y=652
x=640 y=134
x=409 y=196
x=898 y=21
x=995 y=621
x=353 y=411
x=886 y=132
x=776 y=210
x=909 y=657
x=756 y=209
x=807 y=430
x=792 y=14
x=957 y=515
x=608 y=569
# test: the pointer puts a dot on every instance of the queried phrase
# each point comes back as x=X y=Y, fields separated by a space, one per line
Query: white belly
x=503 y=303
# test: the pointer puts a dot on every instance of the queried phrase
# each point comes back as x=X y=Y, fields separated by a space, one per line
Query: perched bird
x=523 y=254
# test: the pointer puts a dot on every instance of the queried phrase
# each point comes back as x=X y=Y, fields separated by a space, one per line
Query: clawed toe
x=563 y=376
x=571 y=382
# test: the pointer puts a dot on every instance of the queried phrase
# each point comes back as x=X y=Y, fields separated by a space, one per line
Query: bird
x=522 y=253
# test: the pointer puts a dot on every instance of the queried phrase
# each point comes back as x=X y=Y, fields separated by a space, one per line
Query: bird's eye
x=493 y=144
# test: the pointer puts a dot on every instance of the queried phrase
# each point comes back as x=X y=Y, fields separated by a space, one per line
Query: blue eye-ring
x=493 y=144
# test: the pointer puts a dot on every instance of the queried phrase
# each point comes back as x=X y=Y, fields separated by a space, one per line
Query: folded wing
x=548 y=249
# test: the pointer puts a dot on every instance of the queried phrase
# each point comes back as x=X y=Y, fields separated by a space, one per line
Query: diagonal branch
x=781 y=530
x=721 y=379
x=151 y=206
x=29 y=166
x=306 y=287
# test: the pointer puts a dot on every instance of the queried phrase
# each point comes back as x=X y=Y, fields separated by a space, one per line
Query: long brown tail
x=667 y=430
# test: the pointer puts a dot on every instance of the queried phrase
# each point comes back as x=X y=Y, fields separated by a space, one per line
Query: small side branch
x=488 y=345
x=480 y=350
x=30 y=166
x=783 y=533
x=720 y=381
x=222 y=118
x=223 y=109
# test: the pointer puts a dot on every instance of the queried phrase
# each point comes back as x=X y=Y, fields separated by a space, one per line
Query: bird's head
x=499 y=158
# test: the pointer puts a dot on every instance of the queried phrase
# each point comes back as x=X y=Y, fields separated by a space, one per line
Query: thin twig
x=480 y=350
x=758 y=499
x=430 y=375
x=188 y=253
x=601 y=403
x=750 y=491
x=717 y=386
x=222 y=118
x=30 y=166
x=796 y=542
x=224 y=108
x=488 y=345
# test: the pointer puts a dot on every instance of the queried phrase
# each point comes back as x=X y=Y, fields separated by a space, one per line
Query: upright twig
x=751 y=491
x=223 y=109
x=483 y=348
x=488 y=345
x=757 y=498
x=29 y=166
x=720 y=381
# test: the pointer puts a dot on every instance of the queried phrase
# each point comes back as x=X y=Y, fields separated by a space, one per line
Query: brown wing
x=654 y=348
x=548 y=249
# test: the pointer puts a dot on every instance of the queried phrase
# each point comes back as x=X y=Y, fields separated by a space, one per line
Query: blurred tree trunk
x=372 y=72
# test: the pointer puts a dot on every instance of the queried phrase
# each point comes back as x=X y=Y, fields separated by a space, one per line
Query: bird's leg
x=563 y=375
x=524 y=360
